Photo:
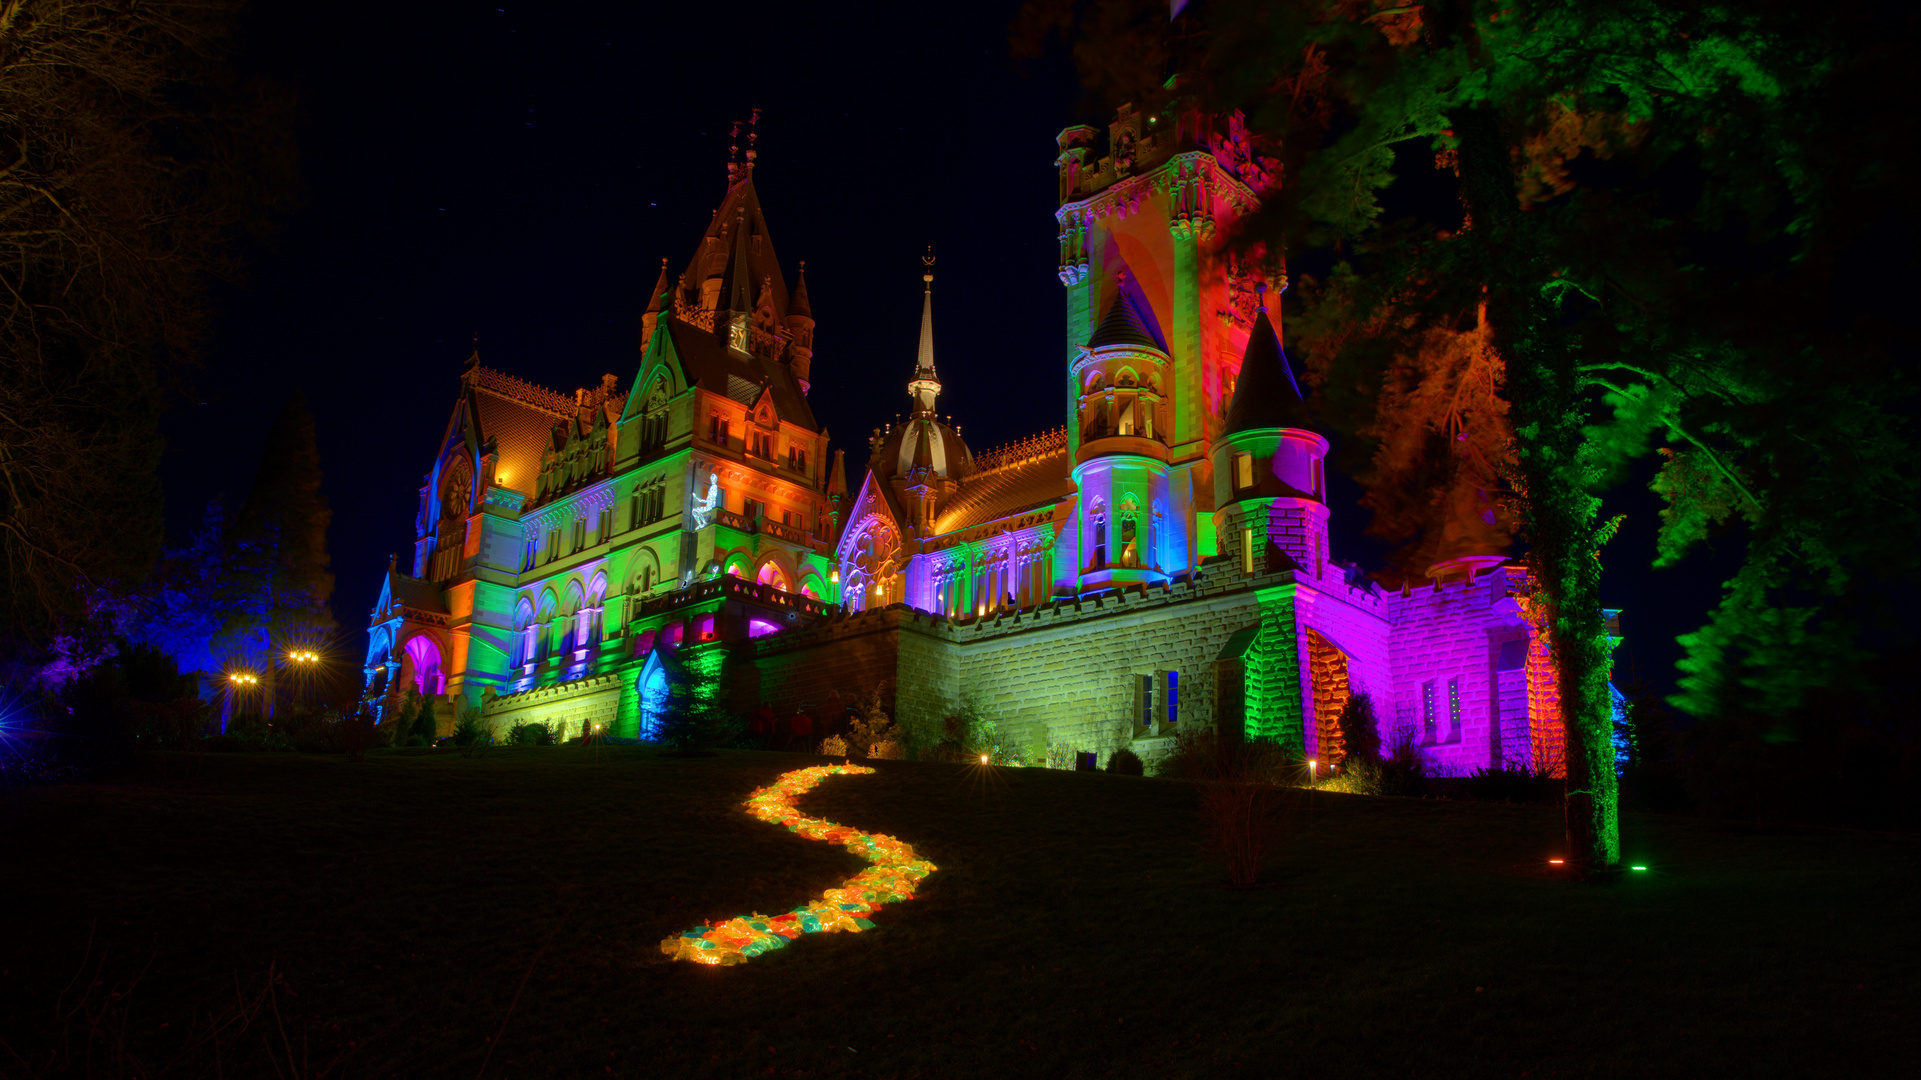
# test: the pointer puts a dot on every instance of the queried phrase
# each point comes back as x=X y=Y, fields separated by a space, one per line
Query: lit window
x=1243 y=471
x=1427 y=711
x=1173 y=696
x=1454 y=707
x=1247 y=551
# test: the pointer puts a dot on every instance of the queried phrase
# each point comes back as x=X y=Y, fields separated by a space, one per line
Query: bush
x=1360 y=730
x=425 y=726
x=872 y=727
x=524 y=733
x=1125 y=762
x=834 y=746
x=886 y=749
x=1514 y=782
x=469 y=726
x=1404 y=772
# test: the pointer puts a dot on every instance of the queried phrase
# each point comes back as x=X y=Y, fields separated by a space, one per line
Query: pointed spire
x=1266 y=395
x=798 y=305
x=739 y=276
x=656 y=304
x=657 y=300
x=926 y=383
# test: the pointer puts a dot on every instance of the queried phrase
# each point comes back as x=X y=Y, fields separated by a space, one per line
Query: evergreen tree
x=1657 y=202
x=279 y=538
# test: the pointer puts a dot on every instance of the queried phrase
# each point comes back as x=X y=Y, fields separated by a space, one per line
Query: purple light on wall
x=425 y=656
x=761 y=628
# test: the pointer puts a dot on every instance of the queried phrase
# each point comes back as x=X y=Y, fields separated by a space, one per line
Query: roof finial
x=1260 y=295
x=751 y=136
x=927 y=260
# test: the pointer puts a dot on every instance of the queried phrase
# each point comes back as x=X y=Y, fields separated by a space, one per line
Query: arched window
x=653 y=698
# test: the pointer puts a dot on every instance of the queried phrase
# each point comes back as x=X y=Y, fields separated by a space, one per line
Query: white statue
x=704 y=506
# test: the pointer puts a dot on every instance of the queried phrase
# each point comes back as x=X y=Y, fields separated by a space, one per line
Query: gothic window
x=527 y=558
x=1100 y=542
x=717 y=429
x=752 y=509
x=605 y=521
x=1320 y=481
x=634 y=505
x=459 y=487
x=1454 y=708
x=1146 y=697
x=1173 y=697
x=580 y=533
x=1130 y=554
x=553 y=543
x=1126 y=425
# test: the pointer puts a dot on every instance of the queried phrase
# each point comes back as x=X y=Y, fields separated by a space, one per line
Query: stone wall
x=1448 y=632
x=567 y=707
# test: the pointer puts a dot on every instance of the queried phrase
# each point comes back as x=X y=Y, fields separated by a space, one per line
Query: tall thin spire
x=926 y=383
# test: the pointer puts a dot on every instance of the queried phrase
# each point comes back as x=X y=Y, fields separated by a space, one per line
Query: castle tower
x=1270 y=489
x=1121 y=464
x=1143 y=232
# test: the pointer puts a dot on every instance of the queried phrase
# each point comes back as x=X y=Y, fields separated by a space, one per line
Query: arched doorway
x=420 y=666
x=1327 y=670
x=653 y=696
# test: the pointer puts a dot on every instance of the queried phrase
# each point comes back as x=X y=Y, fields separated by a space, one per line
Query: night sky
x=518 y=173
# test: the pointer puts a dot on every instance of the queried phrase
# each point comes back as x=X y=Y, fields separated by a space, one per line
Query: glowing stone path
x=892 y=877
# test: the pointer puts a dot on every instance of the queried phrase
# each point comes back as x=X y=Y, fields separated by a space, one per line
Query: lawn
x=415 y=906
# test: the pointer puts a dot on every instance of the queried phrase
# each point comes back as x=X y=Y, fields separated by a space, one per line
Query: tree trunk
x=1543 y=393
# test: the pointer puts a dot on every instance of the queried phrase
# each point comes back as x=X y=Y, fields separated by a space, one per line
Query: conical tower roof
x=798 y=305
x=1124 y=326
x=1266 y=395
x=657 y=300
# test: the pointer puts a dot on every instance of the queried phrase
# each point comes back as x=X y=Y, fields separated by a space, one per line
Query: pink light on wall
x=424 y=665
x=761 y=628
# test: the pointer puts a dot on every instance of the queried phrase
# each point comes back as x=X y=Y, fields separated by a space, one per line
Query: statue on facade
x=704 y=506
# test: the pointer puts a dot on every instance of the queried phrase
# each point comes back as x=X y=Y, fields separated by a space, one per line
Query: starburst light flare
x=896 y=870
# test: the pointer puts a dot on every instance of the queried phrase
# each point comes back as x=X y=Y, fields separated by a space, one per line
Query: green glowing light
x=1637 y=868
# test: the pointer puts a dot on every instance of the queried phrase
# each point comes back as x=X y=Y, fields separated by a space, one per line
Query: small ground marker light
x=1557 y=862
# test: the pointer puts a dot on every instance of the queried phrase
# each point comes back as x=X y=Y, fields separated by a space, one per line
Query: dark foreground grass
x=1073 y=929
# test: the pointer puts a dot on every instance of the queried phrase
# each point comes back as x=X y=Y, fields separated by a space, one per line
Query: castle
x=1158 y=563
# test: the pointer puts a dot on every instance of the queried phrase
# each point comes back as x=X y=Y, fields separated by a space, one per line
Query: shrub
x=834 y=746
x=1125 y=762
x=357 y=734
x=524 y=733
x=1059 y=756
x=1514 y=782
x=1404 y=772
x=469 y=726
x=425 y=726
x=886 y=749
x=1360 y=730
x=872 y=726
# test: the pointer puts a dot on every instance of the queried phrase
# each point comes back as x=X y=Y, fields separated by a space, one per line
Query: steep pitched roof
x=520 y=418
x=732 y=253
x=741 y=376
x=1124 y=326
x=1266 y=395
x=412 y=592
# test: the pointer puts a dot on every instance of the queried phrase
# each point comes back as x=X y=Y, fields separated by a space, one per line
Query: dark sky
x=518 y=172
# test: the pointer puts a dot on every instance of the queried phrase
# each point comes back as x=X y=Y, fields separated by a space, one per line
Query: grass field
x=413 y=907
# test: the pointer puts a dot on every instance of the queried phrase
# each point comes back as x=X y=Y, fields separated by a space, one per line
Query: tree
x=128 y=159
x=278 y=546
x=1656 y=200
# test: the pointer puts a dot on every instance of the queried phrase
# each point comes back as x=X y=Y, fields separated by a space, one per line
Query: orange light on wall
x=896 y=870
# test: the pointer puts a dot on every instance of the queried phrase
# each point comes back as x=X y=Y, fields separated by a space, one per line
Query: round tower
x=1270 y=486
x=1120 y=469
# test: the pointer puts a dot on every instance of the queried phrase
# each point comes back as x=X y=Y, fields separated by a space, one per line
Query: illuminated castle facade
x=1159 y=562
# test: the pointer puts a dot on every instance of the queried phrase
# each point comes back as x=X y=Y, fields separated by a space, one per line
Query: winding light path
x=892 y=877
